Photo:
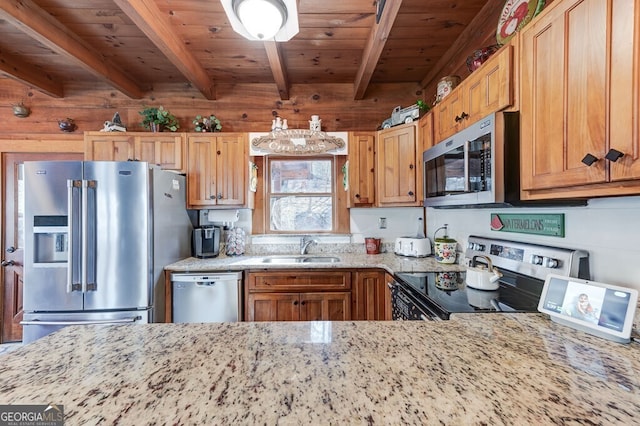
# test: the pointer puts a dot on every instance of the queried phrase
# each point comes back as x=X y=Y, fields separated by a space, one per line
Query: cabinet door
x=447 y=115
x=396 y=153
x=625 y=101
x=165 y=151
x=563 y=95
x=369 y=296
x=489 y=89
x=361 y=169
x=325 y=306
x=273 y=307
x=232 y=170
x=201 y=170
x=109 y=146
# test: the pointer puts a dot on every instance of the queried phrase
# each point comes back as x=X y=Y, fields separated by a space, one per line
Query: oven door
x=405 y=306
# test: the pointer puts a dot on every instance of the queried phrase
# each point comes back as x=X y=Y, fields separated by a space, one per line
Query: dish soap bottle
x=445 y=247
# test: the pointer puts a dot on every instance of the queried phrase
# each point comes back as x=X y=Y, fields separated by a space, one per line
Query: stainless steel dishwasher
x=215 y=297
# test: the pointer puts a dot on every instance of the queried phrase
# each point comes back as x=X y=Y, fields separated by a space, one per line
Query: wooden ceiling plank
x=156 y=26
x=41 y=26
x=278 y=68
x=374 y=47
x=466 y=37
x=21 y=71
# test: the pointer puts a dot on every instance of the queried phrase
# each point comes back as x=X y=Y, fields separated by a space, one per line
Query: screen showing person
x=604 y=306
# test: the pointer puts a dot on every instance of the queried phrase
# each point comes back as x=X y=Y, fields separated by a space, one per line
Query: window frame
x=268 y=194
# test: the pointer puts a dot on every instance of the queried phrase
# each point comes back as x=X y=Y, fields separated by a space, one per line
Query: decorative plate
x=515 y=15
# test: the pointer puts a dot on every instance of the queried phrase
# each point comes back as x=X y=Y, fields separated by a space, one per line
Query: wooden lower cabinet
x=371 y=295
x=294 y=295
x=323 y=306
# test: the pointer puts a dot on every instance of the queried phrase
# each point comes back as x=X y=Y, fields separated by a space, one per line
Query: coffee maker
x=206 y=242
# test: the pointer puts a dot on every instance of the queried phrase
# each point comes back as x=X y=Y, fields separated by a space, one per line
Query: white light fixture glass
x=263 y=19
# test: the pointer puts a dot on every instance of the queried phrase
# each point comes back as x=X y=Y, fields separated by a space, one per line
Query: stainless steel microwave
x=478 y=165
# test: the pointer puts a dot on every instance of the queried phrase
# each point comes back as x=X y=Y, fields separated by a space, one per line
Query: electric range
x=524 y=267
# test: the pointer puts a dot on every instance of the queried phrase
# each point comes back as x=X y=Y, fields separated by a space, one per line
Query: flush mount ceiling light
x=263 y=19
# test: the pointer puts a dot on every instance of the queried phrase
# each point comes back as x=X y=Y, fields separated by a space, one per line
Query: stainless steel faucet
x=305 y=242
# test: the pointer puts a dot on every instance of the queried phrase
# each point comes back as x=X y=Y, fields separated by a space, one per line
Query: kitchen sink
x=300 y=259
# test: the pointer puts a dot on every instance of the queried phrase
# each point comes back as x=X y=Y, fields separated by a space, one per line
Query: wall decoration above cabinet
x=298 y=142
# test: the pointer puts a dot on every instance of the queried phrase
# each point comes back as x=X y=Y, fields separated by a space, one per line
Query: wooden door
x=273 y=307
x=164 y=150
x=232 y=165
x=361 y=169
x=489 y=89
x=325 y=306
x=447 y=114
x=396 y=166
x=109 y=146
x=13 y=239
x=369 y=299
x=563 y=95
x=201 y=172
x=625 y=102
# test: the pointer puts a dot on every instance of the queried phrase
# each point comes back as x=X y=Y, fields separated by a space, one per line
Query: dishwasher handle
x=206 y=278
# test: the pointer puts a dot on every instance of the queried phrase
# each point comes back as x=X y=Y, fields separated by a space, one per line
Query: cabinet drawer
x=318 y=280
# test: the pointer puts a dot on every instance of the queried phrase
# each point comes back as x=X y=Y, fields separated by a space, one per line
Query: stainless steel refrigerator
x=97 y=237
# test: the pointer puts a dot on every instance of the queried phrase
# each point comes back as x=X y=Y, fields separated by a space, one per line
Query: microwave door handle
x=466 y=166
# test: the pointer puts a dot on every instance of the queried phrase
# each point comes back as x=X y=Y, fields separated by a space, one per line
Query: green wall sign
x=529 y=223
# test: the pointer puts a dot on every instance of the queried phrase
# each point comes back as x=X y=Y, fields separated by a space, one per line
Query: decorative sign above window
x=297 y=142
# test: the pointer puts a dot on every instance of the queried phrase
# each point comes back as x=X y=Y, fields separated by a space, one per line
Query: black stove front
x=441 y=294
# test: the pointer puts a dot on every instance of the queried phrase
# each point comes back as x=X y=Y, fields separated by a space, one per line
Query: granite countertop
x=388 y=261
x=475 y=369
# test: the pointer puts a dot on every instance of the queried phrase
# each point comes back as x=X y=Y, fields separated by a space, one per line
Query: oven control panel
x=530 y=259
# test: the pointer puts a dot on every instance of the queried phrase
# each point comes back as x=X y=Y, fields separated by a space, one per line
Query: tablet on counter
x=600 y=309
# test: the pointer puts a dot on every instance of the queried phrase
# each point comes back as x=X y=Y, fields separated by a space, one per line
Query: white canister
x=445 y=86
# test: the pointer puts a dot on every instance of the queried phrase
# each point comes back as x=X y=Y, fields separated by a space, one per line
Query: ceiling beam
x=277 y=68
x=374 y=47
x=157 y=27
x=15 y=68
x=43 y=27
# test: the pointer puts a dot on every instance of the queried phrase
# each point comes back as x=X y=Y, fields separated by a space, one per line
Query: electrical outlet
x=382 y=223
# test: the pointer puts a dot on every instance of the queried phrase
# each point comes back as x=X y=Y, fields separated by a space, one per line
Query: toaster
x=411 y=246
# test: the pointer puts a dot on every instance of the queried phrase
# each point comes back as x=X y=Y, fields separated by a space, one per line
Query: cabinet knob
x=614 y=155
x=6 y=263
x=219 y=196
x=302 y=303
x=458 y=119
x=410 y=193
x=295 y=303
x=410 y=166
x=218 y=152
x=589 y=159
x=357 y=195
x=11 y=249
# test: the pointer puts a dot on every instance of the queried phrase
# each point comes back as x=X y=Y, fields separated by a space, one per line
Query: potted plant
x=207 y=124
x=158 y=119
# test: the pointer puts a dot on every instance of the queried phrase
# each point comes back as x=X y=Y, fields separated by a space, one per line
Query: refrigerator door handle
x=88 y=247
x=83 y=261
x=88 y=322
x=71 y=235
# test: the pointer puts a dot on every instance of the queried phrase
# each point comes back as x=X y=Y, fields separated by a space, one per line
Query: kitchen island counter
x=474 y=369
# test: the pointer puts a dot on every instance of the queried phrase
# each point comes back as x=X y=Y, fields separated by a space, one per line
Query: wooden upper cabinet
x=398 y=158
x=217 y=170
x=425 y=131
x=488 y=89
x=579 y=100
x=361 y=169
x=109 y=146
x=166 y=150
